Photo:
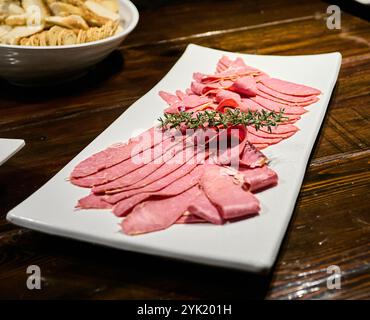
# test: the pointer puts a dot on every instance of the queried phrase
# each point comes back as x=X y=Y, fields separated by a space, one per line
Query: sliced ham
x=158 y=180
x=203 y=208
x=178 y=186
x=139 y=174
x=127 y=166
x=236 y=202
x=267 y=134
x=118 y=153
x=290 y=88
x=93 y=201
x=249 y=104
x=169 y=98
x=260 y=178
x=260 y=140
x=245 y=85
x=251 y=157
x=281 y=129
x=154 y=215
x=189 y=218
x=261 y=146
x=283 y=96
x=275 y=106
x=284 y=102
x=226 y=94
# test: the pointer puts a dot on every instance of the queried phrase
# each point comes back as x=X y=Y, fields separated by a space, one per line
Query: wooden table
x=331 y=222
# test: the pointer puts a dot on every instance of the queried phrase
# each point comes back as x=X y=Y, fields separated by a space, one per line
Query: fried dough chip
x=64 y=9
x=57 y=22
x=70 y=22
x=31 y=4
x=16 y=20
x=101 y=10
x=14 y=35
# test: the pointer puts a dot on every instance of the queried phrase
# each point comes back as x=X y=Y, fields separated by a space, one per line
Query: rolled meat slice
x=259 y=178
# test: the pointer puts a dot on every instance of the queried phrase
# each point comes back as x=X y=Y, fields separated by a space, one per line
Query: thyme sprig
x=232 y=117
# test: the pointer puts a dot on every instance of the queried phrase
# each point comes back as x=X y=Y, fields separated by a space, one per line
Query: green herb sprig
x=232 y=117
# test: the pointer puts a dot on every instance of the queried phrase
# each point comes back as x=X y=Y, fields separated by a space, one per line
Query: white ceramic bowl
x=26 y=65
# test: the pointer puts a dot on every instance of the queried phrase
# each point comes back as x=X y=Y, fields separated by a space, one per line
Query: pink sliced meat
x=231 y=143
x=260 y=178
x=245 y=85
x=178 y=186
x=249 y=104
x=93 y=201
x=283 y=96
x=251 y=157
x=293 y=104
x=170 y=98
x=165 y=175
x=197 y=76
x=281 y=129
x=197 y=87
x=181 y=95
x=239 y=64
x=117 y=153
x=154 y=215
x=261 y=146
x=203 y=208
x=226 y=94
x=290 y=88
x=193 y=101
x=275 y=106
x=223 y=64
x=227 y=103
x=227 y=194
x=264 y=134
x=127 y=166
x=259 y=140
x=139 y=174
x=189 y=218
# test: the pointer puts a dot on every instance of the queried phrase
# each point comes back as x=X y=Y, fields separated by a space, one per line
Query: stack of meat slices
x=237 y=85
x=164 y=177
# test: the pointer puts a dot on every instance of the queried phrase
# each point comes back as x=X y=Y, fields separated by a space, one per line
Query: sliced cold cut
x=180 y=185
x=236 y=202
x=291 y=88
x=154 y=215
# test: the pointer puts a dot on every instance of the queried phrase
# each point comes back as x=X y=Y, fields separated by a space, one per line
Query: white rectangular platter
x=9 y=147
x=251 y=244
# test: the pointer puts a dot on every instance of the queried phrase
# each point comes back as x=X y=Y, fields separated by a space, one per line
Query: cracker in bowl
x=57 y=22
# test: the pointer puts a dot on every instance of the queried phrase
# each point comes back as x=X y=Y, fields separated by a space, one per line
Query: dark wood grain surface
x=331 y=221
